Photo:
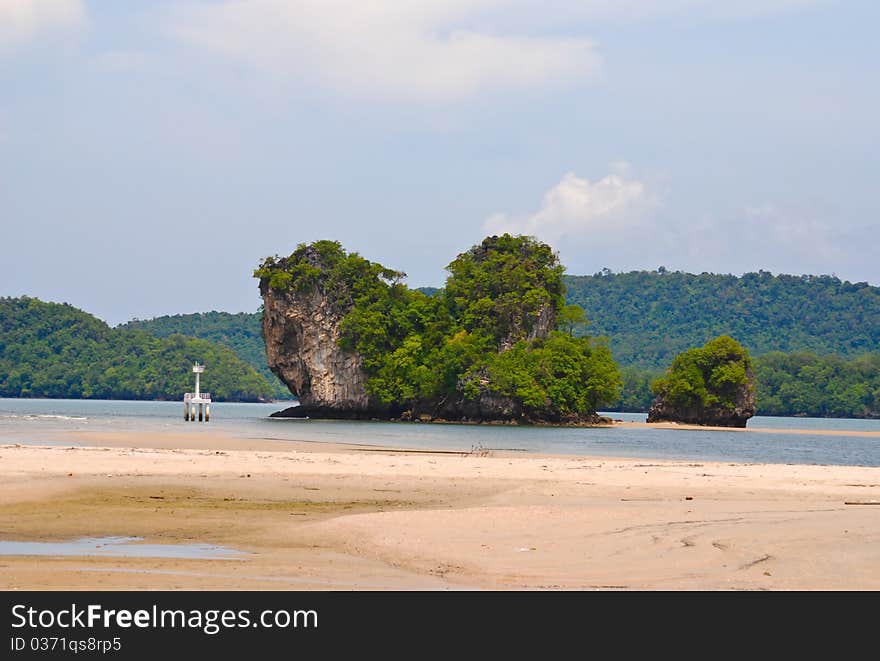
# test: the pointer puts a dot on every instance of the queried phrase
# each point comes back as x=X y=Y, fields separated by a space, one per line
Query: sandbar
x=314 y=516
x=747 y=429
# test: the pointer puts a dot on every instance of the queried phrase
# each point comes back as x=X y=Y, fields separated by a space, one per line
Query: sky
x=153 y=153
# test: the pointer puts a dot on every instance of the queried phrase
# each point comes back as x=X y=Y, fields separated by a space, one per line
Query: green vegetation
x=501 y=288
x=818 y=386
x=491 y=327
x=573 y=317
x=571 y=375
x=651 y=316
x=815 y=340
x=636 y=393
x=56 y=350
x=242 y=332
x=795 y=327
x=789 y=384
x=707 y=377
x=648 y=317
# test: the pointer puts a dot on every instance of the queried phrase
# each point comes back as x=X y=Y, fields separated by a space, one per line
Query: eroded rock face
x=302 y=348
x=744 y=408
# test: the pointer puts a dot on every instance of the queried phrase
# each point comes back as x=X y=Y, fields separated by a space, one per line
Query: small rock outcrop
x=713 y=386
x=714 y=416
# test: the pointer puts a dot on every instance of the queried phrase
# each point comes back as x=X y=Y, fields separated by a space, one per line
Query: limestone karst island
x=496 y=344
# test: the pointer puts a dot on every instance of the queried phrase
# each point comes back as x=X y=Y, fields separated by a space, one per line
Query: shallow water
x=120 y=547
x=43 y=420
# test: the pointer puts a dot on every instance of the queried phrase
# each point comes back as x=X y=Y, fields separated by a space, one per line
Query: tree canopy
x=651 y=316
x=803 y=383
x=241 y=332
x=56 y=350
x=501 y=287
x=706 y=377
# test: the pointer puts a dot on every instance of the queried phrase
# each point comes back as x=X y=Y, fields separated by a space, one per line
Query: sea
x=45 y=421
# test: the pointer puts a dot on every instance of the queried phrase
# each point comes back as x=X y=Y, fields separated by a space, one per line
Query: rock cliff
x=663 y=411
x=302 y=348
x=302 y=336
x=320 y=305
x=301 y=332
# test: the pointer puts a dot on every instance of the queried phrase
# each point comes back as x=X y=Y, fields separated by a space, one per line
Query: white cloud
x=576 y=211
x=700 y=10
x=623 y=223
x=24 y=20
x=417 y=48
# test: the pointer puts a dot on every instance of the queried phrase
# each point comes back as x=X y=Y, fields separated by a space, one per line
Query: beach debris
x=757 y=561
x=526 y=549
x=688 y=497
x=862 y=502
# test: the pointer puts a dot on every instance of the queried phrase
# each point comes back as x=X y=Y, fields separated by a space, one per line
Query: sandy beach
x=334 y=517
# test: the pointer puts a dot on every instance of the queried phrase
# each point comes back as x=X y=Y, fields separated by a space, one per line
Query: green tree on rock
x=571 y=317
x=507 y=288
x=713 y=384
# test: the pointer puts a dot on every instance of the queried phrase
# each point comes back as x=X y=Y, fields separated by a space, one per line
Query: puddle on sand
x=120 y=547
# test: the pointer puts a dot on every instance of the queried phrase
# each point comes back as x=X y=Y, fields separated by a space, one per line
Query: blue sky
x=152 y=153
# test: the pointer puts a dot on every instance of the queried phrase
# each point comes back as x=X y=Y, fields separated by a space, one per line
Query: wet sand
x=313 y=516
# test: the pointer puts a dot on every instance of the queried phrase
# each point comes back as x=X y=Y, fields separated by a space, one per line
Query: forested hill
x=57 y=350
x=651 y=316
x=241 y=332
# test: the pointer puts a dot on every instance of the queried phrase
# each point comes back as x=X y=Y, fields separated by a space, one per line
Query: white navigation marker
x=203 y=400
